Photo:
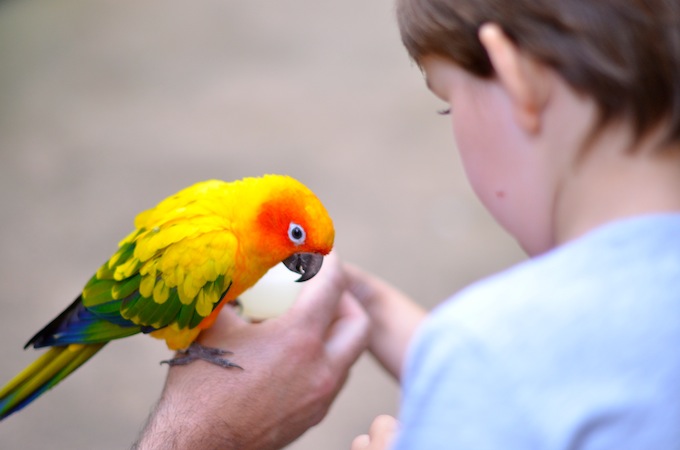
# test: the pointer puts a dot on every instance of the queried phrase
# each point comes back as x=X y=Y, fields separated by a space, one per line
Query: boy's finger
x=368 y=289
x=382 y=431
x=361 y=442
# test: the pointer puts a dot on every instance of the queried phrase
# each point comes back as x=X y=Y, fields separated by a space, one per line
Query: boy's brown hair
x=623 y=53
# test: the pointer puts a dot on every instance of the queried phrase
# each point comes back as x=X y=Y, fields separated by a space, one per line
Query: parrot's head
x=293 y=225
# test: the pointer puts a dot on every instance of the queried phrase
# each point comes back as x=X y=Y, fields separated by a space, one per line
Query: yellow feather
x=102 y=271
x=169 y=260
x=203 y=304
x=115 y=258
x=175 y=338
x=161 y=292
x=185 y=290
x=127 y=269
x=149 y=268
x=209 y=271
x=129 y=238
x=179 y=275
x=146 y=286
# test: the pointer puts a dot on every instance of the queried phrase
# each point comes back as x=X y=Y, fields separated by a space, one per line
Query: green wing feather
x=172 y=273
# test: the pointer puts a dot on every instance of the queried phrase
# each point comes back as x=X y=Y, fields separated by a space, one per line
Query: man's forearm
x=181 y=422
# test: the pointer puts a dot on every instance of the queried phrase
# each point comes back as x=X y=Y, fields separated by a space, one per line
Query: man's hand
x=293 y=368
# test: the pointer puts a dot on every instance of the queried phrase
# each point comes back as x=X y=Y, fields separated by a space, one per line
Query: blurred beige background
x=108 y=106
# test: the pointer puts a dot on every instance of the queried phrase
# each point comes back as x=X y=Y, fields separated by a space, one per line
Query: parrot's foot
x=209 y=354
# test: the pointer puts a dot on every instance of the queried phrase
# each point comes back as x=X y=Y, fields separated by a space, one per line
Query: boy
x=567 y=119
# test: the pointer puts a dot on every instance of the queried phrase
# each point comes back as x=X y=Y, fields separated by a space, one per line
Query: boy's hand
x=380 y=436
x=394 y=317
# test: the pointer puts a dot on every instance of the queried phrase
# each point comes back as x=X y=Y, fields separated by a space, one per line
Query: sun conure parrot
x=189 y=256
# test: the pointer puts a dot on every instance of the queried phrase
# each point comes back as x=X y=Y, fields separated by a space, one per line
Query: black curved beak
x=306 y=264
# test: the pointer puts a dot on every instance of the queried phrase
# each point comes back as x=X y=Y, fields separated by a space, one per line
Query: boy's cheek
x=486 y=168
x=506 y=179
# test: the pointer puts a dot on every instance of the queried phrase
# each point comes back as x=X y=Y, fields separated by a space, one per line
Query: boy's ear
x=525 y=79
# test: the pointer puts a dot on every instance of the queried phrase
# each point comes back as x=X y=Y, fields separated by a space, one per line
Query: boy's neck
x=609 y=182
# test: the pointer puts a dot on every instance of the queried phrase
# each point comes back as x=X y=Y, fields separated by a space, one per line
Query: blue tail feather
x=78 y=325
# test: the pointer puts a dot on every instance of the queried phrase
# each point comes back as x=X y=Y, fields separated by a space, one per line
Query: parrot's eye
x=296 y=234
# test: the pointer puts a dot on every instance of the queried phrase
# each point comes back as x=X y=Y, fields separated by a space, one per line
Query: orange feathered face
x=296 y=229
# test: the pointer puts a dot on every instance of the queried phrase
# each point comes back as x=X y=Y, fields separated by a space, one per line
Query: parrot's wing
x=174 y=269
x=201 y=199
x=175 y=273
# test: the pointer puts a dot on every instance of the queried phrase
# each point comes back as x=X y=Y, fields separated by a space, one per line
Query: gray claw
x=197 y=351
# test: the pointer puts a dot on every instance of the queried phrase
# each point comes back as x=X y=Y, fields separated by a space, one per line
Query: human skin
x=394 y=318
x=558 y=179
x=293 y=368
x=380 y=435
x=526 y=141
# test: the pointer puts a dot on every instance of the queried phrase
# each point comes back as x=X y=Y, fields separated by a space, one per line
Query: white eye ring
x=296 y=234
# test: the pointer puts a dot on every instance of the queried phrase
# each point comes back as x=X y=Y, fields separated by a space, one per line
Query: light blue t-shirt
x=576 y=349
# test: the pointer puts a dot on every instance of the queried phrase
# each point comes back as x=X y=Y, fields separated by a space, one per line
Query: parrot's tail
x=44 y=373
